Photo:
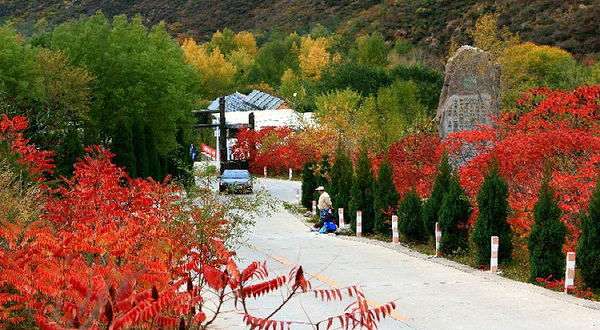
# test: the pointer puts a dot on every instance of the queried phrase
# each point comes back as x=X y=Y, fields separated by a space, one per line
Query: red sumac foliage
x=561 y=131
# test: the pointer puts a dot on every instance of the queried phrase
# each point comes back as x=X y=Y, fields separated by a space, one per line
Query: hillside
x=571 y=24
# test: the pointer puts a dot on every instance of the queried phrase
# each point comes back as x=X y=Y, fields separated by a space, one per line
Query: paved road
x=430 y=293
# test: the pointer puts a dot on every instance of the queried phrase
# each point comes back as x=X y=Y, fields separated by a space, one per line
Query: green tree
x=492 y=201
x=70 y=150
x=547 y=236
x=372 y=50
x=453 y=216
x=122 y=147
x=361 y=78
x=588 y=249
x=441 y=187
x=410 y=217
x=154 y=167
x=137 y=74
x=361 y=194
x=385 y=198
x=141 y=151
x=309 y=184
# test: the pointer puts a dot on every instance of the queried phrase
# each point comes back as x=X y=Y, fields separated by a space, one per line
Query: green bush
x=309 y=184
x=588 y=250
x=454 y=214
x=547 y=236
x=362 y=194
x=410 y=217
x=385 y=198
x=431 y=208
x=492 y=201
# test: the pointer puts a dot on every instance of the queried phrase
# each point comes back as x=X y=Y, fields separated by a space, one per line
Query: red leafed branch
x=262 y=288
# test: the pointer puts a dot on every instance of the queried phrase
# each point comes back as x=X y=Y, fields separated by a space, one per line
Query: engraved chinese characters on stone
x=466 y=112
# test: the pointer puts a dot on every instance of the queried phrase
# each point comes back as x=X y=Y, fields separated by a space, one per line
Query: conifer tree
x=70 y=150
x=547 y=236
x=432 y=206
x=410 y=217
x=361 y=194
x=309 y=184
x=341 y=182
x=323 y=176
x=141 y=152
x=588 y=249
x=385 y=199
x=492 y=201
x=154 y=169
x=122 y=147
x=453 y=217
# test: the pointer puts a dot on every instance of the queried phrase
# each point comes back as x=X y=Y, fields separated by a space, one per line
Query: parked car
x=235 y=181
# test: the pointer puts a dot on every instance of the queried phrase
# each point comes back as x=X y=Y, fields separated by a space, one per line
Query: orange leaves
x=257 y=269
x=264 y=324
x=299 y=279
x=215 y=278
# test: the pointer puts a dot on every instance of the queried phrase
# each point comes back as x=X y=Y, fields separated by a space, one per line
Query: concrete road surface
x=430 y=293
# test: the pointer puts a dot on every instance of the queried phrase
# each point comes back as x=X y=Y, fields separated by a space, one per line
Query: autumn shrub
x=385 y=199
x=361 y=194
x=410 y=220
x=492 y=202
x=454 y=215
x=558 y=128
x=588 y=249
x=432 y=205
x=547 y=237
x=107 y=251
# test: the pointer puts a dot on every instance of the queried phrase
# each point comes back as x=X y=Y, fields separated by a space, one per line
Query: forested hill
x=571 y=24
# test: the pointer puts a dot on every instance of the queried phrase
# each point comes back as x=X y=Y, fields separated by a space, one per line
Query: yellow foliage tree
x=245 y=40
x=290 y=84
x=216 y=73
x=313 y=57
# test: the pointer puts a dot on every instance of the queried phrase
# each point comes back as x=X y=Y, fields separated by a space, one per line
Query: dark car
x=235 y=181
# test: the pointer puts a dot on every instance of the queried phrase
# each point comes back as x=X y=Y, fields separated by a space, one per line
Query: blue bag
x=331 y=227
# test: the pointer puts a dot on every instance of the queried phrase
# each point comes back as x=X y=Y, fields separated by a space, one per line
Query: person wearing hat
x=325 y=208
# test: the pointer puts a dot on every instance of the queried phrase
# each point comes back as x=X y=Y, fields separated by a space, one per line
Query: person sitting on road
x=325 y=209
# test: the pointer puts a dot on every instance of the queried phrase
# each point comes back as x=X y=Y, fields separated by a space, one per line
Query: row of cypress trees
x=451 y=207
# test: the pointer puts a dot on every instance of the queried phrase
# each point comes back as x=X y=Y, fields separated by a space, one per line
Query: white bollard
x=358 y=223
x=290 y=174
x=494 y=255
x=438 y=238
x=314 y=208
x=297 y=197
x=265 y=171
x=341 y=214
x=570 y=272
x=395 y=237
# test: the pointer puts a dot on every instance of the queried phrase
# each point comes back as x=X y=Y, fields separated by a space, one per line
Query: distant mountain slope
x=571 y=24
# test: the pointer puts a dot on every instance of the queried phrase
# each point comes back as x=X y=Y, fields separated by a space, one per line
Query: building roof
x=233 y=103
x=256 y=100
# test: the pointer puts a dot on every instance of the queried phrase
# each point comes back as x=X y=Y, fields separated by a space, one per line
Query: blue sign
x=193 y=152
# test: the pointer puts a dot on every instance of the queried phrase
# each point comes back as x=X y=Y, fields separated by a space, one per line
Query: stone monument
x=471 y=92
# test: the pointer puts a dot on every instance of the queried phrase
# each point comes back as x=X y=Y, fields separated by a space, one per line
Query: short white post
x=395 y=237
x=494 y=255
x=265 y=171
x=358 y=223
x=570 y=272
x=314 y=208
x=297 y=197
x=341 y=214
x=438 y=238
x=290 y=173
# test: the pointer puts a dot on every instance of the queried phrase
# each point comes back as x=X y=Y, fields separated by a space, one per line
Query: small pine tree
x=410 y=217
x=309 y=184
x=122 y=147
x=153 y=158
x=141 y=152
x=431 y=208
x=341 y=182
x=323 y=176
x=492 y=201
x=547 y=236
x=454 y=214
x=588 y=249
x=385 y=198
x=362 y=194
